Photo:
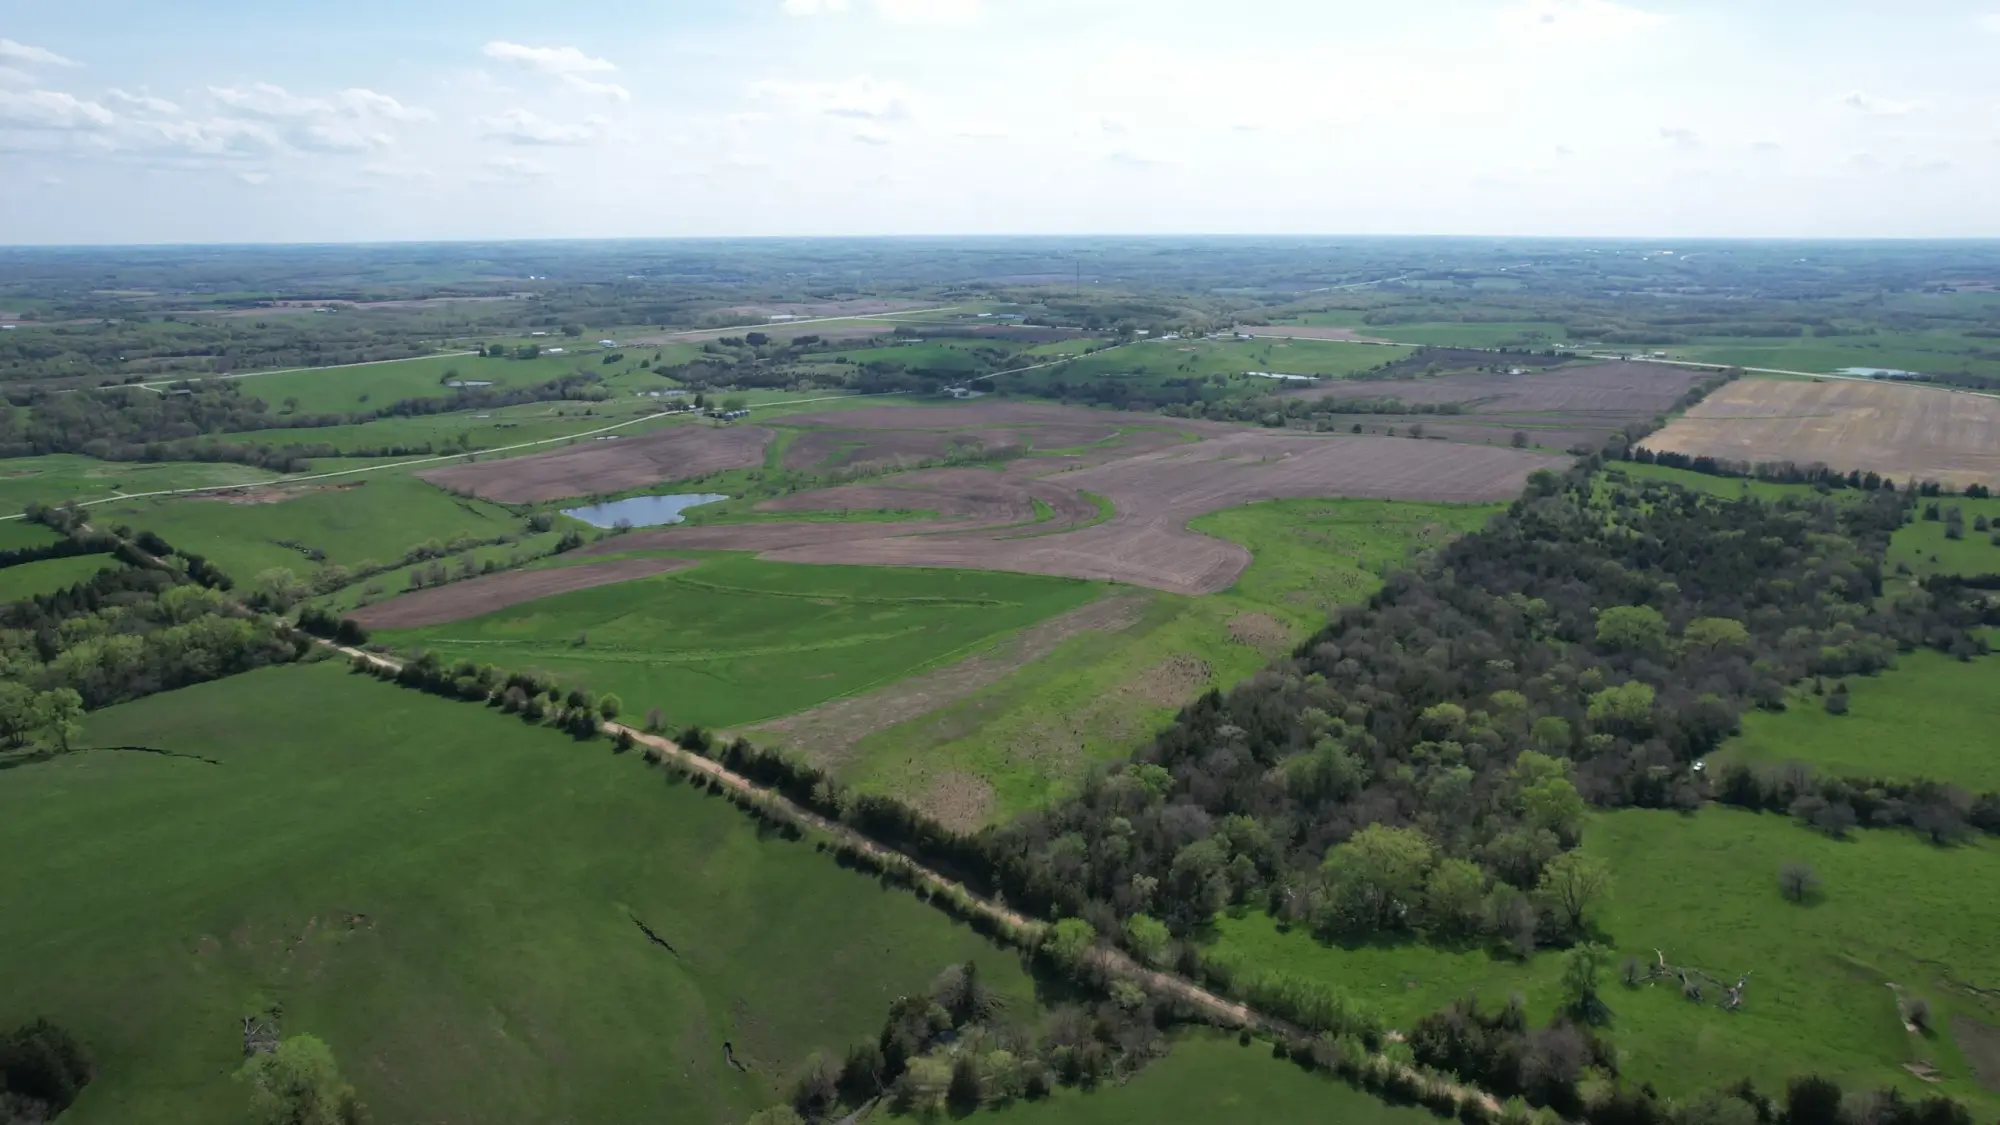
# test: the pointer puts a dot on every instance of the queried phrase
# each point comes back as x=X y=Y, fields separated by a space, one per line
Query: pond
x=642 y=511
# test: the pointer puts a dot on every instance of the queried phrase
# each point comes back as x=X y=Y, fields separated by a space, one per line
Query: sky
x=124 y=121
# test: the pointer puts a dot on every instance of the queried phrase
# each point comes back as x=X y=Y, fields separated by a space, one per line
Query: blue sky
x=368 y=120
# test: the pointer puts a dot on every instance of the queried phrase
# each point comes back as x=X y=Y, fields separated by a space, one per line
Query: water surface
x=643 y=511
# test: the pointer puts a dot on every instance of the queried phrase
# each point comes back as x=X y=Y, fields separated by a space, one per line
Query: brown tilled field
x=1923 y=433
x=1621 y=391
x=1155 y=492
x=593 y=467
x=1308 y=332
x=476 y=596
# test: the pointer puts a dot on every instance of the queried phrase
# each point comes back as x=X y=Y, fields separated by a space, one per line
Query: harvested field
x=827 y=330
x=858 y=306
x=862 y=447
x=1154 y=492
x=972 y=414
x=1898 y=431
x=598 y=467
x=475 y=597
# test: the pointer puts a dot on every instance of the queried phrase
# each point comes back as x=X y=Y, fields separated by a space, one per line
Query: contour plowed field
x=474 y=597
x=1154 y=492
x=1899 y=431
x=593 y=467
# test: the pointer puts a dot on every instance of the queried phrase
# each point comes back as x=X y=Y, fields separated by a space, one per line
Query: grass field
x=447 y=897
x=1923 y=547
x=1928 y=352
x=1099 y=694
x=1538 y=334
x=1161 y=360
x=372 y=386
x=21 y=533
x=58 y=477
x=1209 y=1078
x=1931 y=717
x=485 y=429
x=736 y=640
x=1729 y=488
x=46 y=577
x=1703 y=887
x=376 y=516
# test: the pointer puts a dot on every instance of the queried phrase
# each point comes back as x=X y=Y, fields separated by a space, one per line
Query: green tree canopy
x=299 y=1084
x=1571 y=883
x=1632 y=628
x=1377 y=876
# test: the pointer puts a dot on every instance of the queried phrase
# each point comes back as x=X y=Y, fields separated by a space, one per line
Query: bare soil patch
x=1900 y=431
x=967 y=494
x=1980 y=1043
x=1170 y=683
x=828 y=733
x=958 y=800
x=1259 y=631
x=595 y=467
x=475 y=597
x=1155 y=492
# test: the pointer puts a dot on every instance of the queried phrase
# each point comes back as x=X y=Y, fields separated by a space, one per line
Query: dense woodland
x=1423 y=763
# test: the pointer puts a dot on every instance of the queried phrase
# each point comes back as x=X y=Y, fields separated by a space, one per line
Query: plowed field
x=1154 y=493
x=476 y=596
x=596 y=467
x=1902 y=432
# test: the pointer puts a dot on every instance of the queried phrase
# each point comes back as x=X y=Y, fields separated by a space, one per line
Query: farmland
x=736 y=640
x=445 y=896
x=1006 y=729
x=1903 y=432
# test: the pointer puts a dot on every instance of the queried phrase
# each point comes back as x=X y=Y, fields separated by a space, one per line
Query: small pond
x=468 y=383
x=643 y=511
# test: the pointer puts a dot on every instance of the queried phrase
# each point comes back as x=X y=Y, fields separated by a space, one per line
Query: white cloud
x=1867 y=161
x=262 y=99
x=338 y=136
x=610 y=90
x=813 y=7
x=25 y=55
x=1579 y=21
x=1680 y=137
x=556 y=61
x=254 y=179
x=1765 y=146
x=931 y=13
x=146 y=102
x=515 y=168
x=397 y=172
x=522 y=127
x=1990 y=23
x=1883 y=107
x=982 y=131
x=1926 y=167
x=862 y=97
x=218 y=138
x=869 y=135
x=51 y=109
x=1565 y=150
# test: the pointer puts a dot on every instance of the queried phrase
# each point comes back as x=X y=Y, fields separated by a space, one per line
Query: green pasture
x=1100 y=694
x=1931 y=718
x=482 y=429
x=1923 y=547
x=1927 y=352
x=1209 y=1077
x=447 y=897
x=58 y=477
x=368 y=517
x=1729 y=488
x=21 y=533
x=26 y=580
x=372 y=386
x=1892 y=909
x=1517 y=334
x=935 y=355
x=736 y=640
x=529 y=551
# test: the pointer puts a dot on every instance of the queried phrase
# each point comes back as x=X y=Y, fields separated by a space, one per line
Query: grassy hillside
x=1703 y=888
x=1099 y=694
x=737 y=640
x=1931 y=718
x=49 y=575
x=443 y=894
